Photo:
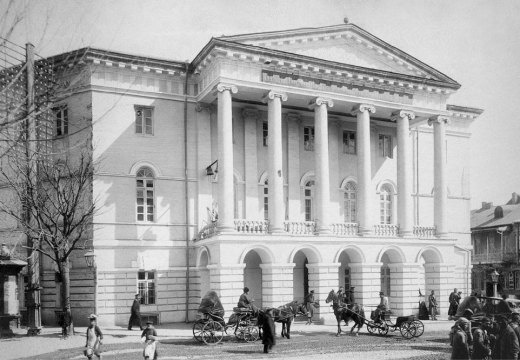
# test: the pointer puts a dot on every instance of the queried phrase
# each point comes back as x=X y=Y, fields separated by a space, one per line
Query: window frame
x=145 y=291
x=61 y=120
x=348 y=148
x=386 y=204
x=308 y=138
x=145 y=189
x=265 y=134
x=142 y=121
x=386 y=148
x=308 y=200
x=349 y=202
x=266 y=199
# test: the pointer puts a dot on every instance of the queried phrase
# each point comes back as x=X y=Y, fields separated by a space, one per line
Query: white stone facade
x=310 y=86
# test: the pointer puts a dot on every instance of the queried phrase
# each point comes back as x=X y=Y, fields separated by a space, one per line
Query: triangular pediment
x=346 y=44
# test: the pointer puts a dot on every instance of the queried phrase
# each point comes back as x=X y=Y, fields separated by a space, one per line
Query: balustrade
x=251 y=226
x=424 y=231
x=300 y=227
x=386 y=230
x=345 y=229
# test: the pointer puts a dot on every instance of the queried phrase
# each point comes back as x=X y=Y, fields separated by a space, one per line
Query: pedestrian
x=464 y=322
x=507 y=346
x=453 y=300
x=149 y=337
x=64 y=321
x=135 y=313
x=246 y=302
x=432 y=303
x=341 y=296
x=515 y=324
x=94 y=339
x=309 y=305
x=481 y=341
x=459 y=343
x=268 y=331
x=382 y=308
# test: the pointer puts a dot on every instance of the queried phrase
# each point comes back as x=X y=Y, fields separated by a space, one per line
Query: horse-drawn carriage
x=245 y=325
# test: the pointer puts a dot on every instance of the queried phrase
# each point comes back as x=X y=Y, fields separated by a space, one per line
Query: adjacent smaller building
x=495 y=239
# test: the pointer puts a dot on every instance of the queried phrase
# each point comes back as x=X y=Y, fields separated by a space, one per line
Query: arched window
x=266 y=201
x=308 y=193
x=385 y=200
x=350 y=202
x=145 y=194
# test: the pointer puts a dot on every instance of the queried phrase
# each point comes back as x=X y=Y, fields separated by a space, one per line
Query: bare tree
x=59 y=201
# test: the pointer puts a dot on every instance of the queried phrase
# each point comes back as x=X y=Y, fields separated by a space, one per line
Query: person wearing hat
x=149 y=337
x=309 y=305
x=481 y=341
x=382 y=307
x=459 y=343
x=507 y=345
x=464 y=322
x=515 y=324
x=94 y=339
x=432 y=304
x=246 y=301
x=135 y=313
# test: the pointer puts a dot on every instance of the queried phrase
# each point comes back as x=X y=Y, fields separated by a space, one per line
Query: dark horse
x=285 y=315
x=355 y=313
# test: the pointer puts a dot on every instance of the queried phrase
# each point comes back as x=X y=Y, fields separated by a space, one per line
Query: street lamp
x=90 y=259
x=494 y=279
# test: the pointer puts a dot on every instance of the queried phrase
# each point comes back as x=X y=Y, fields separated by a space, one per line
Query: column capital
x=225 y=87
x=438 y=119
x=360 y=108
x=250 y=113
x=401 y=114
x=293 y=116
x=318 y=101
x=274 y=94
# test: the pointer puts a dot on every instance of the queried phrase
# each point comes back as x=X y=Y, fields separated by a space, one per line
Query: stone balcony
x=308 y=228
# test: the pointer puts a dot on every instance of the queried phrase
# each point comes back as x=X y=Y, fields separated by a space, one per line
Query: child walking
x=94 y=339
x=149 y=337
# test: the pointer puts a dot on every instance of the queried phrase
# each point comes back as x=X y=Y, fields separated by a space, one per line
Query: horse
x=285 y=315
x=355 y=313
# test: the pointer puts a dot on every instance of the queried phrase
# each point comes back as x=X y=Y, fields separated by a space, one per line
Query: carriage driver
x=246 y=301
x=382 y=307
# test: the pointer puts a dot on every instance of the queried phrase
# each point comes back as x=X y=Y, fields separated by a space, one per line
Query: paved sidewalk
x=50 y=339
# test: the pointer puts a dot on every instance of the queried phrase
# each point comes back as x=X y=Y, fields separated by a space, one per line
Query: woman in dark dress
x=268 y=331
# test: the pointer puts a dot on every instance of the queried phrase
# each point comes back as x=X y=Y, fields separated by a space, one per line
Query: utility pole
x=34 y=303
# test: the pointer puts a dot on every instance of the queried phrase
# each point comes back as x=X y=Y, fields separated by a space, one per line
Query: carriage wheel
x=419 y=328
x=251 y=334
x=372 y=328
x=383 y=329
x=240 y=331
x=212 y=333
x=197 y=329
x=407 y=329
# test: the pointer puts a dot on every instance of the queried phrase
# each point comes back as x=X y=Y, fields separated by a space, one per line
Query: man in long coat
x=135 y=313
x=507 y=346
x=432 y=304
x=268 y=331
x=453 y=300
x=481 y=342
x=309 y=305
x=459 y=343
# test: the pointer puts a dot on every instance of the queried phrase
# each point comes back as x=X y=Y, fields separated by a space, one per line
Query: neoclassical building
x=284 y=161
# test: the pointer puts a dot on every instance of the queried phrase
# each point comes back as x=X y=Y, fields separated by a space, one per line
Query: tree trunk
x=65 y=293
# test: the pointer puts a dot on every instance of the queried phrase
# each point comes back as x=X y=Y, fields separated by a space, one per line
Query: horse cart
x=408 y=326
x=211 y=327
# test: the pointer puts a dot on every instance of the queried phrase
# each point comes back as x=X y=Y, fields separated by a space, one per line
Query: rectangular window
x=347 y=279
x=517 y=280
x=145 y=200
x=61 y=117
x=265 y=133
x=266 y=202
x=143 y=120
x=385 y=146
x=308 y=138
x=146 y=287
x=349 y=142
x=511 y=280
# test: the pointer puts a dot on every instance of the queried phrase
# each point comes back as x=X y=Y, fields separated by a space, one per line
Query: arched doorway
x=204 y=273
x=390 y=261
x=429 y=276
x=349 y=276
x=300 y=276
x=253 y=276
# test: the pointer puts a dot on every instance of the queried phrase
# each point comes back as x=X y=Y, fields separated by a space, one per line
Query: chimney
x=487 y=205
x=514 y=198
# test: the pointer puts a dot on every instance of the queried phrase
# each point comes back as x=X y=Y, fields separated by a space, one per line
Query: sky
x=475 y=42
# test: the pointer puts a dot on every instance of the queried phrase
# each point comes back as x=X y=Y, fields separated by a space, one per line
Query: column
x=225 y=158
x=323 y=277
x=366 y=278
x=277 y=284
x=321 y=161
x=440 y=187
x=404 y=172
x=250 y=117
x=364 y=168
x=228 y=281
x=274 y=151
x=204 y=158
x=293 y=165
x=404 y=288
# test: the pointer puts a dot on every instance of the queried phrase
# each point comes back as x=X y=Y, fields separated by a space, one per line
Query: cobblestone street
x=314 y=342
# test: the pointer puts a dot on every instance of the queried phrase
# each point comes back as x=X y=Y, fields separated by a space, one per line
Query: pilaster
x=323 y=277
x=228 y=281
x=277 y=284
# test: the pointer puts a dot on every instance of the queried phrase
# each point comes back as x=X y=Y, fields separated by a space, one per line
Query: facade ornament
x=360 y=108
x=273 y=94
x=225 y=87
x=399 y=114
x=318 y=101
x=438 y=119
